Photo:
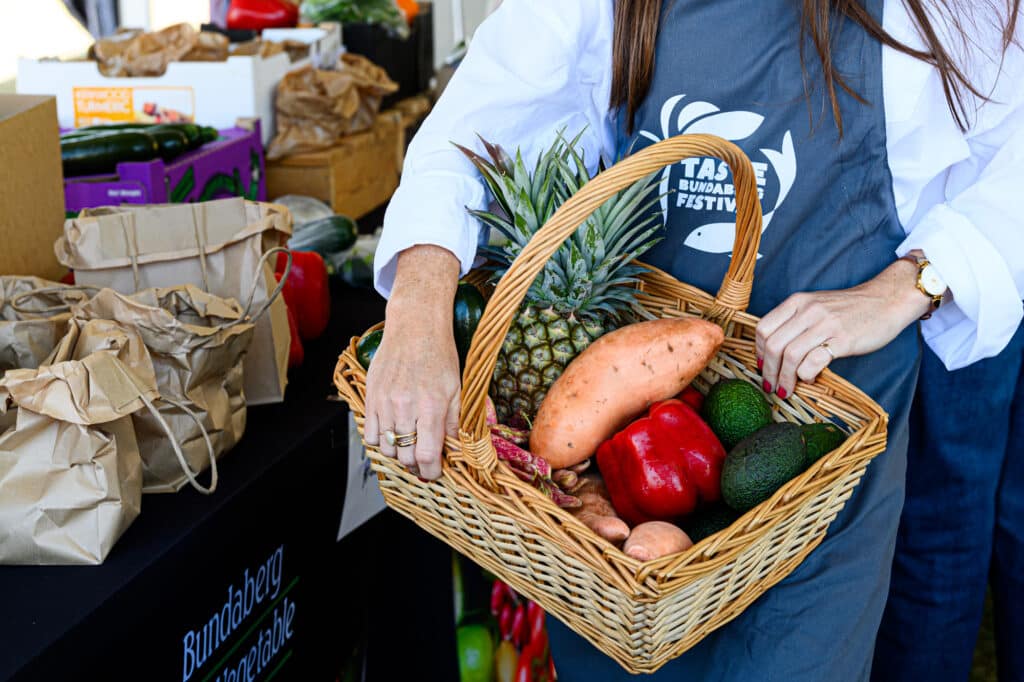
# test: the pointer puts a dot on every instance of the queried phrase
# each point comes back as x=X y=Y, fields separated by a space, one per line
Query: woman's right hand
x=413 y=383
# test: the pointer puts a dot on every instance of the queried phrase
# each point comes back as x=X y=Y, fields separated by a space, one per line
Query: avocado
x=708 y=521
x=761 y=464
x=821 y=439
x=734 y=410
x=367 y=346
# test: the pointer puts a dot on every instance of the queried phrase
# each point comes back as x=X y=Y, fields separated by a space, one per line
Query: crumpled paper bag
x=196 y=342
x=217 y=245
x=70 y=470
x=33 y=317
x=315 y=107
x=136 y=53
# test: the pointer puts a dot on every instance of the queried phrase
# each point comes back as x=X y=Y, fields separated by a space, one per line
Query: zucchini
x=208 y=134
x=192 y=132
x=101 y=153
x=326 y=236
x=195 y=133
x=468 y=309
x=173 y=142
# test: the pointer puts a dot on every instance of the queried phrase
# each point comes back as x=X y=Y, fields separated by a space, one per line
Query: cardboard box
x=31 y=194
x=231 y=166
x=208 y=93
x=354 y=177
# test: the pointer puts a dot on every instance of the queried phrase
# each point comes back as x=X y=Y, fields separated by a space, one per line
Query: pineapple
x=583 y=291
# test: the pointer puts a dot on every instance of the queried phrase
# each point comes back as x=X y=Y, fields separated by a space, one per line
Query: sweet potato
x=615 y=380
x=655 y=539
x=597 y=512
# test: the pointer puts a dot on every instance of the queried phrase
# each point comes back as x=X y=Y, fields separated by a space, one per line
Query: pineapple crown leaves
x=585 y=274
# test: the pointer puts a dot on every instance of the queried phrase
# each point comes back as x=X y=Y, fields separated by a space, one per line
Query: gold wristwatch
x=929 y=281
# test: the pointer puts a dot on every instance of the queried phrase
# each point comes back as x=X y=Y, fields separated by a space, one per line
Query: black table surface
x=40 y=604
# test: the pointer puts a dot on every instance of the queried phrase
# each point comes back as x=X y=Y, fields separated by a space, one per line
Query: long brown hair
x=636 y=32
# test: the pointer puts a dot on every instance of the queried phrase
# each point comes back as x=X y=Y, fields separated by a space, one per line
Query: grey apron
x=732 y=68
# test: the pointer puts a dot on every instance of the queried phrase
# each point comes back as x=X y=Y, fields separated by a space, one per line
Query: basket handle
x=733 y=296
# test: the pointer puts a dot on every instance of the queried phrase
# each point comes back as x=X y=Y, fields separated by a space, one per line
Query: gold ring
x=824 y=344
x=402 y=440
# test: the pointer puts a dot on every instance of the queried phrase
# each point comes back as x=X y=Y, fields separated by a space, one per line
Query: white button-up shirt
x=538 y=66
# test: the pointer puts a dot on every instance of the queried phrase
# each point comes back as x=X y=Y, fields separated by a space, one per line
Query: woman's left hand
x=799 y=338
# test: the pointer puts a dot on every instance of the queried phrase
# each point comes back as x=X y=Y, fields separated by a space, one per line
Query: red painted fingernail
x=781 y=392
x=766 y=386
x=760 y=363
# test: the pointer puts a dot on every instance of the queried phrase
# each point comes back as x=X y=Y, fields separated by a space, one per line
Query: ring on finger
x=402 y=440
x=828 y=349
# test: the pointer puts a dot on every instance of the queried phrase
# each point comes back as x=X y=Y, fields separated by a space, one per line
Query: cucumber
x=326 y=236
x=467 y=311
x=173 y=141
x=101 y=153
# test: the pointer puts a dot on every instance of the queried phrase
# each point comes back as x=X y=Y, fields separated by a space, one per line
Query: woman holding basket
x=887 y=139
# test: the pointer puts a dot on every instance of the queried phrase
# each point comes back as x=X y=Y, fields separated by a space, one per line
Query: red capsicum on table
x=662 y=465
x=256 y=15
x=307 y=292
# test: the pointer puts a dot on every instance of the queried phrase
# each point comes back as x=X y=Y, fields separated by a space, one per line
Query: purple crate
x=230 y=166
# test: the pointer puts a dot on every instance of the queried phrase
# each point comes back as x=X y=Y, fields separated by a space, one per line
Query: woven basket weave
x=640 y=614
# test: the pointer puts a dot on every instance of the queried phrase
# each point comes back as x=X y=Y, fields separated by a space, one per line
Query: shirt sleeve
x=534 y=67
x=958 y=195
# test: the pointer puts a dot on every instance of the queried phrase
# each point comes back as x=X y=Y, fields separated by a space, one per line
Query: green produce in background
x=173 y=143
x=476 y=653
x=381 y=12
x=101 y=153
x=327 y=236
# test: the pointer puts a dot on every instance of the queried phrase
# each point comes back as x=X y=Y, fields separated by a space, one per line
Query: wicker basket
x=640 y=614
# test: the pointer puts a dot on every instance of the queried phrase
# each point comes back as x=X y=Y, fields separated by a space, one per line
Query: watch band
x=921 y=262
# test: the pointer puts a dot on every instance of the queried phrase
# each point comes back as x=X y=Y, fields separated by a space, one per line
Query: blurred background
x=52 y=28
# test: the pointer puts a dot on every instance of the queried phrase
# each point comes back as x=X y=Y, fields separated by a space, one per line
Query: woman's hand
x=799 y=338
x=412 y=386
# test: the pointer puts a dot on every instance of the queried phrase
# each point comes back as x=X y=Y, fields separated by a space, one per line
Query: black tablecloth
x=281 y=488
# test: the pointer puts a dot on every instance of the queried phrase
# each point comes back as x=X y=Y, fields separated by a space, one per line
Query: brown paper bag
x=196 y=342
x=33 y=317
x=134 y=53
x=215 y=245
x=70 y=472
x=316 y=107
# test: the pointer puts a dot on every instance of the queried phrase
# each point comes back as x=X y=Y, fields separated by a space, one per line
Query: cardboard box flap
x=111 y=237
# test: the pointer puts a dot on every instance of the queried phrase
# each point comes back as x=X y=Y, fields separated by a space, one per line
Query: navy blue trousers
x=962 y=526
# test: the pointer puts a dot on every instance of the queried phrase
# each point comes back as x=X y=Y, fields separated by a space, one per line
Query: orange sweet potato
x=615 y=380
x=655 y=539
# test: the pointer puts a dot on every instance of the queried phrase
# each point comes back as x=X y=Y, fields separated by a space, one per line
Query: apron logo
x=704 y=185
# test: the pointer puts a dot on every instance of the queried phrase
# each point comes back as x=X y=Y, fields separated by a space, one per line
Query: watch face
x=931 y=281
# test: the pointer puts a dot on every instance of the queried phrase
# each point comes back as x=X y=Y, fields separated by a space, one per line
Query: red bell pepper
x=256 y=15
x=296 y=353
x=662 y=465
x=535 y=661
x=307 y=292
x=692 y=397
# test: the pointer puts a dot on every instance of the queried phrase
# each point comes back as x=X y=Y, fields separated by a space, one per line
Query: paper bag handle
x=84 y=288
x=256 y=281
x=174 y=441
